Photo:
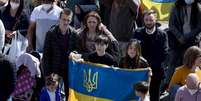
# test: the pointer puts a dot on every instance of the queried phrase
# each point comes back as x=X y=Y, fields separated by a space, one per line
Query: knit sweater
x=180 y=75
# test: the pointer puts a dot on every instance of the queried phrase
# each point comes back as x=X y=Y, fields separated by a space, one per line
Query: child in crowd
x=51 y=91
x=141 y=89
x=133 y=58
x=100 y=55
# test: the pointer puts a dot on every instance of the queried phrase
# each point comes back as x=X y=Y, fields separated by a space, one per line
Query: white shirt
x=52 y=95
x=2 y=35
x=145 y=99
x=154 y=29
x=40 y=13
x=44 y=21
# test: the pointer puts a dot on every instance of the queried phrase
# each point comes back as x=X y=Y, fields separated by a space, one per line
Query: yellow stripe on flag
x=163 y=9
x=75 y=96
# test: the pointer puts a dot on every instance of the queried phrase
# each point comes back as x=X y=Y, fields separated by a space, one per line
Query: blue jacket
x=44 y=96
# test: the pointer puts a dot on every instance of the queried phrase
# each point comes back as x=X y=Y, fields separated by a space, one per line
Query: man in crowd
x=59 y=42
x=184 y=27
x=154 y=48
x=191 y=91
x=124 y=19
x=42 y=18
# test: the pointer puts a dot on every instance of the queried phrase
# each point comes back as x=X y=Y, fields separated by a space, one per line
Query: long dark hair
x=138 y=52
x=19 y=10
x=194 y=10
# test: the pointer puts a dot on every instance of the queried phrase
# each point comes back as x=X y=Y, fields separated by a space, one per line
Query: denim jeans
x=175 y=60
x=173 y=91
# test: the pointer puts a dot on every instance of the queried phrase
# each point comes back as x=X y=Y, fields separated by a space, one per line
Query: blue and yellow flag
x=163 y=7
x=89 y=82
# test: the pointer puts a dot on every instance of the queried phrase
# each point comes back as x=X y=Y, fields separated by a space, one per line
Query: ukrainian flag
x=163 y=7
x=89 y=82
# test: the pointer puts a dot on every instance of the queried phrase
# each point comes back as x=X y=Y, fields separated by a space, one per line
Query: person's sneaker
x=164 y=87
x=164 y=96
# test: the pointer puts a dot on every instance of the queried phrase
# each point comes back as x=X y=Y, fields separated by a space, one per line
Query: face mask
x=14 y=5
x=192 y=91
x=189 y=2
x=46 y=6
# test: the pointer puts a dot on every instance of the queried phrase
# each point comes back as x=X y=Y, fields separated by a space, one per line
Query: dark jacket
x=176 y=23
x=7 y=78
x=124 y=14
x=106 y=59
x=13 y=23
x=113 y=47
x=154 y=48
x=54 y=57
x=106 y=3
x=129 y=63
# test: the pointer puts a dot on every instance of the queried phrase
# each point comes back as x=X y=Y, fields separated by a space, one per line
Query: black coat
x=54 y=58
x=7 y=78
x=154 y=48
x=112 y=49
x=128 y=63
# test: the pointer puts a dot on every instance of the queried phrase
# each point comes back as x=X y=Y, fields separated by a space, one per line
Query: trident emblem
x=90 y=80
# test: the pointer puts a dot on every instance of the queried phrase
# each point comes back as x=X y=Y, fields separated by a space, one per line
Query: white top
x=145 y=99
x=152 y=32
x=40 y=13
x=31 y=62
x=44 y=21
x=52 y=95
x=2 y=35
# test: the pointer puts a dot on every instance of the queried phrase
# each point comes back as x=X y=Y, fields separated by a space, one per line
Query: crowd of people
x=37 y=38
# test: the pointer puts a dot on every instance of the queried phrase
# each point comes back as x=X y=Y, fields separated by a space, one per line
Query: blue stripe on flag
x=114 y=84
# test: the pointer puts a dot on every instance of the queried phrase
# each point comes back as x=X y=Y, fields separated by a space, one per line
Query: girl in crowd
x=191 y=64
x=133 y=58
x=94 y=27
x=14 y=18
